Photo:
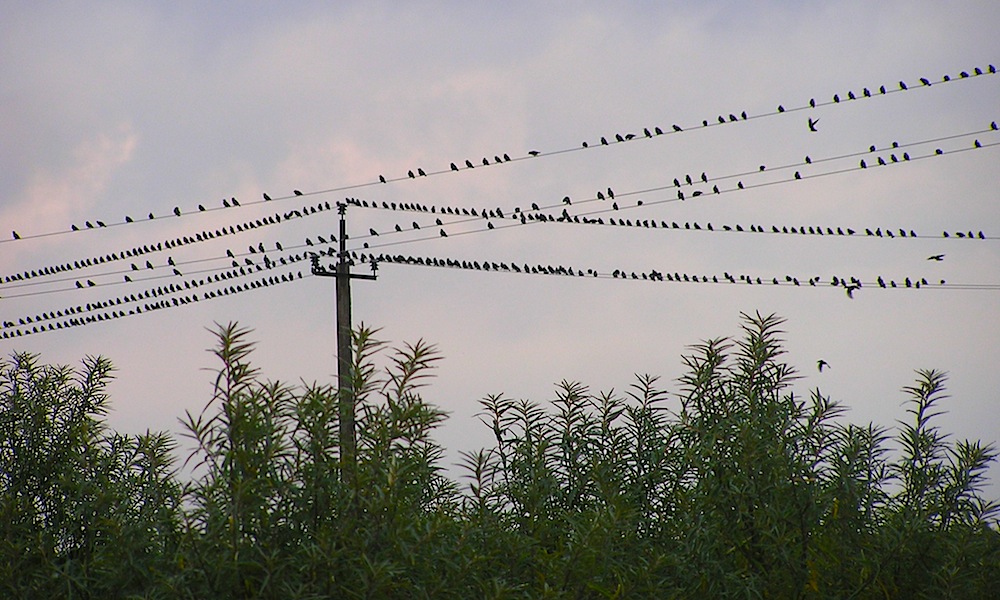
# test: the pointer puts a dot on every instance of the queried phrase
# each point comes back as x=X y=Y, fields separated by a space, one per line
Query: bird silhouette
x=16 y=237
x=443 y=234
x=454 y=167
x=201 y=208
x=781 y=108
x=177 y=211
x=411 y=174
x=534 y=152
x=812 y=124
x=937 y=257
x=372 y=232
x=297 y=192
x=902 y=85
x=820 y=364
x=421 y=172
x=266 y=197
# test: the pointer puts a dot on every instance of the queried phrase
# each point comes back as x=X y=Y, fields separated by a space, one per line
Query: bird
x=468 y=163
x=411 y=175
x=812 y=124
x=266 y=197
x=421 y=172
x=177 y=211
x=454 y=167
x=128 y=219
x=16 y=236
x=820 y=364
x=536 y=152
x=381 y=179
x=372 y=232
x=781 y=108
x=902 y=85
x=937 y=257
x=201 y=208
x=297 y=192
x=443 y=234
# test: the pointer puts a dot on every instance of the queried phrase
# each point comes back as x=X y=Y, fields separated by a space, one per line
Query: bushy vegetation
x=733 y=486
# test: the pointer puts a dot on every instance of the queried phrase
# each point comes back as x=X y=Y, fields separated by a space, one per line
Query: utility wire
x=538 y=213
x=468 y=164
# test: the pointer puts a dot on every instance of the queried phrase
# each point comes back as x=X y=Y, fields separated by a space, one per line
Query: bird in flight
x=812 y=124
x=822 y=363
x=937 y=257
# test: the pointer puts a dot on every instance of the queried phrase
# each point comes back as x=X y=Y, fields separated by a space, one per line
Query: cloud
x=53 y=197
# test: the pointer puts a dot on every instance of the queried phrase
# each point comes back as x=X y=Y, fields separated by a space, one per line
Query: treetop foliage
x=733 y=486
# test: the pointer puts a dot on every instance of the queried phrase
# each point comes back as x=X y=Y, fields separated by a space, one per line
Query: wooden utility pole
x=345 y=362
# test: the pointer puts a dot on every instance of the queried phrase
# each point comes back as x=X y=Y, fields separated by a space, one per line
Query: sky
x=124 y=109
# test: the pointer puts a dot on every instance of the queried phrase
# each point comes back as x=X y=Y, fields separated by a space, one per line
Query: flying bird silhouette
x=937 y=257
x=822 y=363
x=812 y=124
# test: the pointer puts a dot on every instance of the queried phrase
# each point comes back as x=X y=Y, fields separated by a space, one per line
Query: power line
x=468 y=164
x=537 y=213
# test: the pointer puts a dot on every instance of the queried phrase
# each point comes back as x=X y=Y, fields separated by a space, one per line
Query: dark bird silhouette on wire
x=266 y=197
x=536 y=152
x=812 y=124
x=297 y=192
x=443 y=234
x=454 y=167
x=16 y=237
x=381 y=179
x=177 y=211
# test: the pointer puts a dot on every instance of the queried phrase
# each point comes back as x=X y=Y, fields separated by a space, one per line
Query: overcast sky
x=115 y=109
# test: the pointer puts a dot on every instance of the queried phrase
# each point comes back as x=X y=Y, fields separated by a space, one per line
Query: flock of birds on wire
x=225 y=279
